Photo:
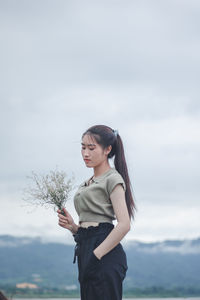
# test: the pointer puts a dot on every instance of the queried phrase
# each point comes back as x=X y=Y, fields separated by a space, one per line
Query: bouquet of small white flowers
x=50 y=189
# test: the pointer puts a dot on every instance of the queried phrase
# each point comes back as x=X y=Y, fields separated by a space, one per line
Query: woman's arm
x=67 y=221
x=123 y=226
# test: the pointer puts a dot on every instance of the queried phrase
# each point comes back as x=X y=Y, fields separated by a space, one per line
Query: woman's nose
x=85 y=153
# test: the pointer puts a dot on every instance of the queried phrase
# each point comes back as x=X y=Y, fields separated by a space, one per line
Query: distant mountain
x=166 y=264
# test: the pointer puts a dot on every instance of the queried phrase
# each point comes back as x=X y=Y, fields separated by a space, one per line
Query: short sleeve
x=114 y=180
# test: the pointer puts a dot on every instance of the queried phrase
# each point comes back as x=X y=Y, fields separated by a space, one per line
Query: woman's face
x=93 y=153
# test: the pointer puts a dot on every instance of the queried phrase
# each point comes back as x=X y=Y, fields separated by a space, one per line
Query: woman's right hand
x=66 y=221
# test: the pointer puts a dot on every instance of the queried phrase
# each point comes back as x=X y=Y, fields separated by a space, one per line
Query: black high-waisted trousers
x=99 y=279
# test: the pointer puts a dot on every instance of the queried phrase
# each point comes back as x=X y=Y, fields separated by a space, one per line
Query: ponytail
x=106 y=136
x=121 y=167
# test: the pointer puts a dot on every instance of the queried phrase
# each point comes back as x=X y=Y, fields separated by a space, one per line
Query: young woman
x=106 y=196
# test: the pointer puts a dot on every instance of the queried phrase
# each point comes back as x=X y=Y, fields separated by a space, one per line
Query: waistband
x=93 y=230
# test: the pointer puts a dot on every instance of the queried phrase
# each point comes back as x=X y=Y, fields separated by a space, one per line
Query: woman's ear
x=107 y=150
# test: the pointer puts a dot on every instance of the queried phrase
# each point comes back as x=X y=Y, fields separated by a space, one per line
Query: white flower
x=49 y=189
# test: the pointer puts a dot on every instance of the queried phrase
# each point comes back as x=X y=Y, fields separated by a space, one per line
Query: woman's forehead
x=89 y=140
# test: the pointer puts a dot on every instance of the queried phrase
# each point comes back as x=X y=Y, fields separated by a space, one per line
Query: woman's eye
x=83 y=148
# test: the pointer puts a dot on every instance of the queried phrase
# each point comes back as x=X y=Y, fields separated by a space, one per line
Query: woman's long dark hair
x=106 y=136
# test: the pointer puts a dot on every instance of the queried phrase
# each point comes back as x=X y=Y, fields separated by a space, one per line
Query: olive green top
x=92 y=201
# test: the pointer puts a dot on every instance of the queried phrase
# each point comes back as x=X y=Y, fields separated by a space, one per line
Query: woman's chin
x=88 y=165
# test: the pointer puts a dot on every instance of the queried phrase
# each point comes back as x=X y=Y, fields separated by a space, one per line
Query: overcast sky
x=132 y=65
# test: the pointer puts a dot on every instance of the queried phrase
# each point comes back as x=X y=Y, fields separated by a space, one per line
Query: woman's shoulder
x=114 y=174
x=113 y=178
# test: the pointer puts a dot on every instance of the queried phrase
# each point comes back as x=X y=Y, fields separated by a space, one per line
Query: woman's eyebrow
x=88 y=144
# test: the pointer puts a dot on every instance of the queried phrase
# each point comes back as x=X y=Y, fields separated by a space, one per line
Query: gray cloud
x=137 y=41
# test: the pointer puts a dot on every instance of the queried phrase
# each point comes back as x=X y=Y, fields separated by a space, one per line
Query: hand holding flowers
x=66 y=221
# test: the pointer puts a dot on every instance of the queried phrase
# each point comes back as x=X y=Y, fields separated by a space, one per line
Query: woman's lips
x=86 y=160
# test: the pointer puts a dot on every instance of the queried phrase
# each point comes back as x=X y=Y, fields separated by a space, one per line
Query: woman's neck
x=99 y=170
